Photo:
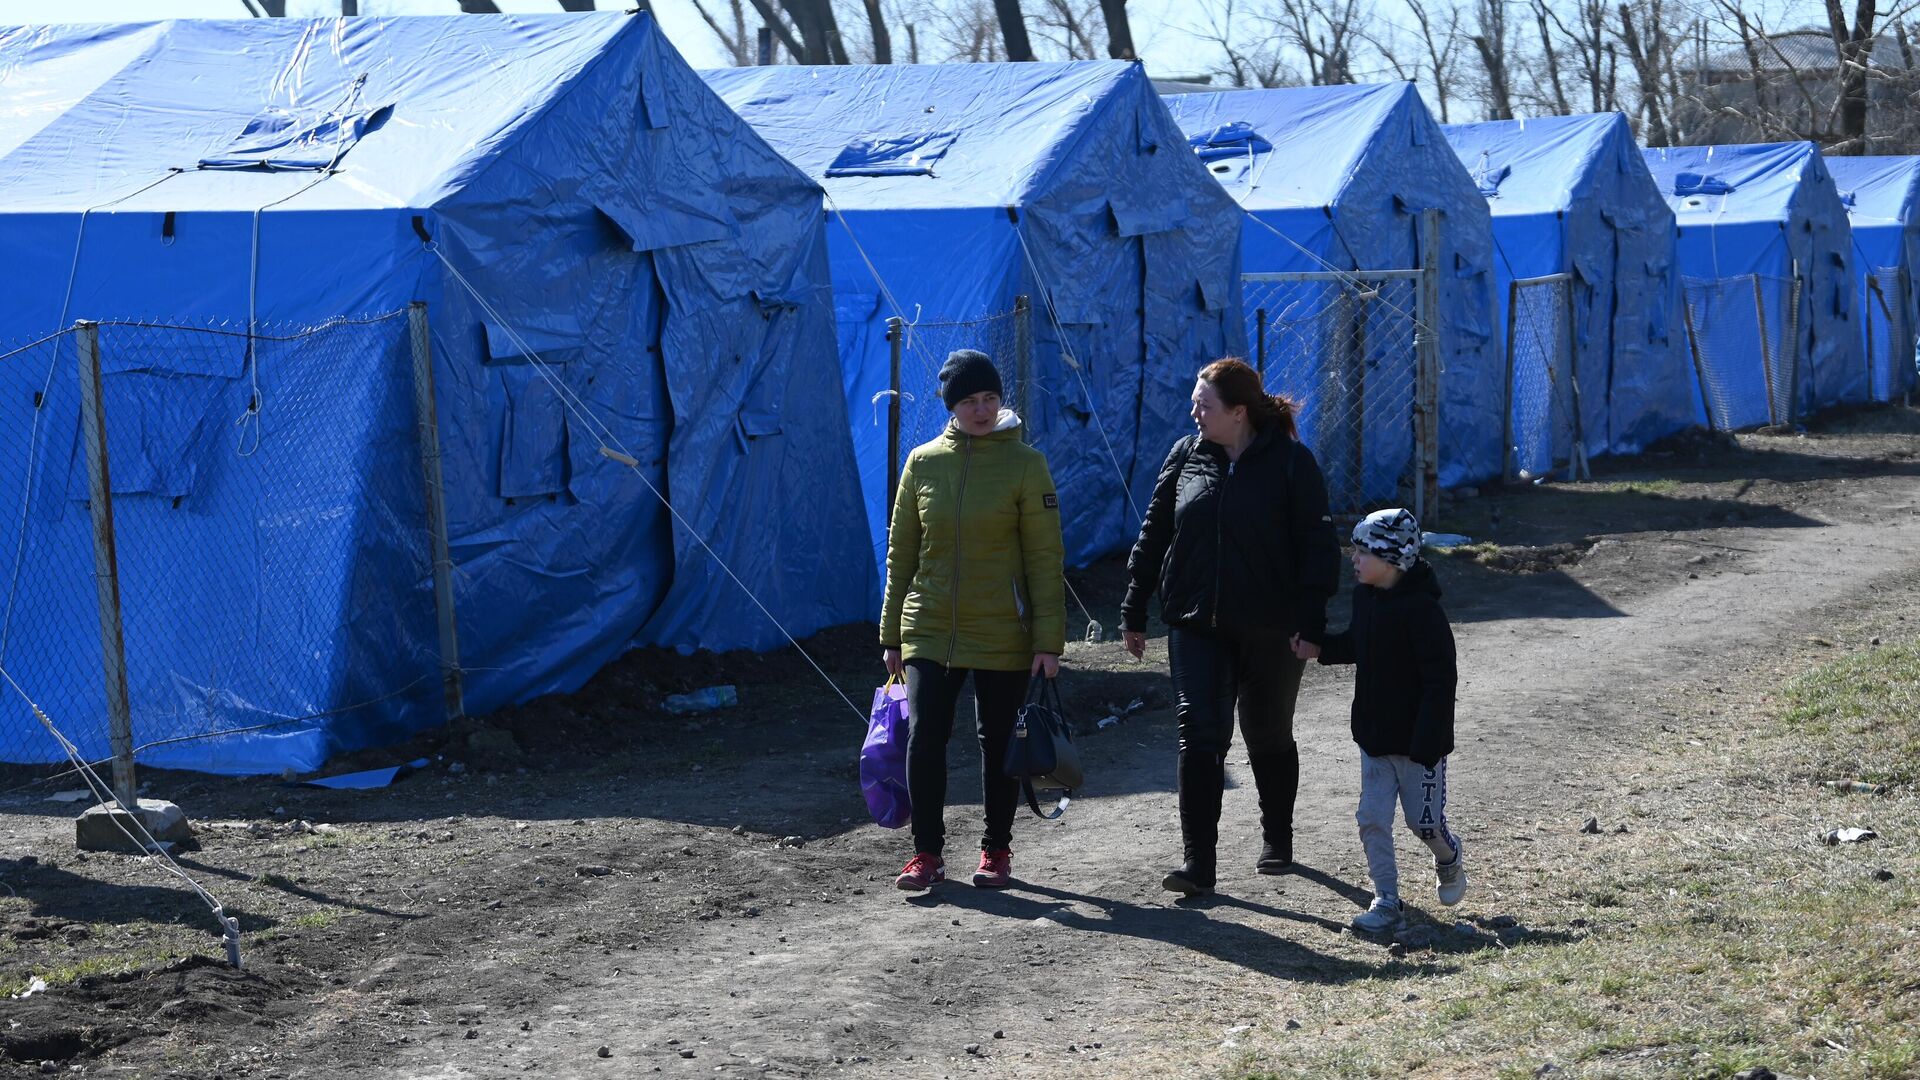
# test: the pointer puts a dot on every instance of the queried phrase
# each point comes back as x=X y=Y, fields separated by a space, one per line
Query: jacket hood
x=1419 y=579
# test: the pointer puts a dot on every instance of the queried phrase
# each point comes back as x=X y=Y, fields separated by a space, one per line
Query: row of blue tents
x=631 y=267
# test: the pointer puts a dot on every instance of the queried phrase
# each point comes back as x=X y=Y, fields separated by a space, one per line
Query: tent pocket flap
x=533 y=441
x=278 y=138
x=553 y=337
x=1142 y=220
x=896 y=154
x=663 y=218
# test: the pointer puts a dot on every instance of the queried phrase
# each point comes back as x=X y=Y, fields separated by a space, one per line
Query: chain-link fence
x=1890 y=334
x=50 y=630
x=1344 y=347
x=921 y=346
x=1745 y=335
x=256 y=511
x=1543 y=394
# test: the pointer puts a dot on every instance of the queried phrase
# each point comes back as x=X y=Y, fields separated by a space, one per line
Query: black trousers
x=1216 y=674
x=933 y=692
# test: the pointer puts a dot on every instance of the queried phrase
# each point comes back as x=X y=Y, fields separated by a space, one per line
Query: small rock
x=1397 y=949
x=999 y=1034
x=592 y=870
x=971 y=1048
x=1691 y=576
x=457 y=768
x=446 y=838
x=49 y=1067
x=1411 y=997
x=526 y=1025
x=686 y=1053
x=1549 y=1069
x=607 y=1051
x=1883 y=874
x=1620 y=828
x=1874 y=641
x=472 y=1034
x=791 y=842
x=1758 y=1072
x=1590 y=826
x=739 y=830
x=1293 y=1025
x=1696 y=560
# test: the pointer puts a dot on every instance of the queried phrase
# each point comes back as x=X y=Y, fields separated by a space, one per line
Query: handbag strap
x=1033 y=800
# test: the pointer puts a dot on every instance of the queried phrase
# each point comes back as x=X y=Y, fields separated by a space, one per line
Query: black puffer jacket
x=1236 y=545
x=1404 y=677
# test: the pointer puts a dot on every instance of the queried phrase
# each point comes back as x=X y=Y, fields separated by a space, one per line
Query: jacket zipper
x=1219 y=517
x=959 y=500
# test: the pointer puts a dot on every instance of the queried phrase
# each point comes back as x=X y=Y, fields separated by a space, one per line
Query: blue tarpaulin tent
x=560 y=186
x=1571 y=195
x=956 y=188
x=1767 y=269
x=1882 y=196
x=1335 y=178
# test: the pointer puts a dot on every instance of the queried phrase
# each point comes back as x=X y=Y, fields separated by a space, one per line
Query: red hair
x=1240 y=385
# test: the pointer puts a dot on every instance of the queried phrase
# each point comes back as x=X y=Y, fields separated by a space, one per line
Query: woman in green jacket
x=974 y=588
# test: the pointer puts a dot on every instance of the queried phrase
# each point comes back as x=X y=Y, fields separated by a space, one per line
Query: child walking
x=1402 y=648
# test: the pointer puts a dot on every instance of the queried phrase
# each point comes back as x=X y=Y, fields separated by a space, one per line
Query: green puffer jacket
x=974 y=556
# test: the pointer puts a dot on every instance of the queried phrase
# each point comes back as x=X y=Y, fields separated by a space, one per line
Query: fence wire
x=924 y=346
x=1542 y=395
x=50 y=628
x=1890 y=334
x=1344 y=349
x=1745 y=335
x=269 y=533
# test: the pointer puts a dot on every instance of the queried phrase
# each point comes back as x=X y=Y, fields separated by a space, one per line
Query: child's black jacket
x=1404 y=678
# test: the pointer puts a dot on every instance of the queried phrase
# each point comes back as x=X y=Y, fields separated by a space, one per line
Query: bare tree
x=1441 y=43
x=1251 y=59
x=1325 y=32
x=1647 y=74
x=1119 y=29
x=735 y=38
x=1491 y=42
x=882 y=38
x=1069 y=26
x=1013 y=29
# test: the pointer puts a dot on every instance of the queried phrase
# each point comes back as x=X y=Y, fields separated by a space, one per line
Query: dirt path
x=477 y=946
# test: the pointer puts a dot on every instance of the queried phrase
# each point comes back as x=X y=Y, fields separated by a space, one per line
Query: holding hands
x=1305 y=650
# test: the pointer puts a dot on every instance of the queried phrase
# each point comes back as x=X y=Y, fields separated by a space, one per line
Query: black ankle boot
x=1277 y=778
x=1202 y=778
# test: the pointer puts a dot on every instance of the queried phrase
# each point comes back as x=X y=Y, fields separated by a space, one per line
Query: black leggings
x=1213 y=671
x=933 y=691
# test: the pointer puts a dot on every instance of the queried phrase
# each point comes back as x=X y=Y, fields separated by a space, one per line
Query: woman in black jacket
x=1239 y=545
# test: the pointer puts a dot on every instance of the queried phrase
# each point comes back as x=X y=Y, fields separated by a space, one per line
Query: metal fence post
x=426 y=414
x=1793 y=348
x=106 y=570
x=1260 y=342
x=1577 y=456
x=1766 y=353
x=1699 y=368
x=1506 y=415
x=1023 y=363
x=896 y=330
x=1426 y=493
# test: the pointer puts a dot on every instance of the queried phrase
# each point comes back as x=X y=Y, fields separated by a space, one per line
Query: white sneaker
x=1453 y=879
x=1383 y=916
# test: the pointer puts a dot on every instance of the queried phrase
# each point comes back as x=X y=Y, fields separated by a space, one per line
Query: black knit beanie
x=967 y=372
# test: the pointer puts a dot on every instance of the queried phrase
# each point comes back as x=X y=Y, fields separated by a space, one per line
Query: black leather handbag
x=1041 y=753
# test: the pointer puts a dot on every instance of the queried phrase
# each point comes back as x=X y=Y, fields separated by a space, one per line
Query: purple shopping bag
x=883 y=757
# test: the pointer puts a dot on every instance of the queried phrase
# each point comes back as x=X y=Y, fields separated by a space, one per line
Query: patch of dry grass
x=1716 y=935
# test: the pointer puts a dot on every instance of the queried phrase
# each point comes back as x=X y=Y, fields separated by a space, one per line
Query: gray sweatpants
x=1422 y=793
